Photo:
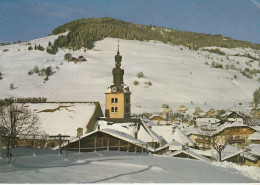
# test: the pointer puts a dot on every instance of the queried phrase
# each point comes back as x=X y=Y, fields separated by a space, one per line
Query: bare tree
x=17 y=120
x=208 y=135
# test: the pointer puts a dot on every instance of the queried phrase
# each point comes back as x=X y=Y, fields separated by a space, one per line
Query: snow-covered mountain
x=179 y=76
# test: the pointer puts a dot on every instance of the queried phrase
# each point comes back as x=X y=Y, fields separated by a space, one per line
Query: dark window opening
x=116 y=109
x=112 y=109
x=116 y=100
x=112 y=100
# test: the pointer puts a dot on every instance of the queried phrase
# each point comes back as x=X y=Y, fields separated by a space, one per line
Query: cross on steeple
x=118 y=57
x=118 y=47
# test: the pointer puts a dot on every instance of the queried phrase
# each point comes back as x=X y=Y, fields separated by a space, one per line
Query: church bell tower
x=118 y=104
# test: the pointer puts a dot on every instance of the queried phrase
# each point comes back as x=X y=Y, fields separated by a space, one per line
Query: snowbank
x=249 y=171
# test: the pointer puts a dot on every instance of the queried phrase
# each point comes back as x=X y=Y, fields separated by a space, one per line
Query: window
x=112 y=100
x=112 y=109
x=116 y=100
x=116 y=109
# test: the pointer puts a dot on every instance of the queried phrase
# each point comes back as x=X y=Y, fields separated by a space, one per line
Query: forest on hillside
x=85 y=32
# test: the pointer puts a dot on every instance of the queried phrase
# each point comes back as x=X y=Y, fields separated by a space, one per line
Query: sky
x=30 y=19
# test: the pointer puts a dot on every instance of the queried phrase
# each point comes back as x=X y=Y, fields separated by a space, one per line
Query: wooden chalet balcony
x=237 y=141
x=201 y=141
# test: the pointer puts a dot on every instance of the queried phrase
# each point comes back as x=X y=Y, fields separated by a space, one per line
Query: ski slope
x=179 y=76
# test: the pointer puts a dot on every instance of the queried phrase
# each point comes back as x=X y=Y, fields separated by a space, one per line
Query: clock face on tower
x=114 y=89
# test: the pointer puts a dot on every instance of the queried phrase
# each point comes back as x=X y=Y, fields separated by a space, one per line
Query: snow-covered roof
x=190 y=130
x=63 y=118
x=182 y=138
x=206 y=120
x=188 y=152
x=155 y=137
x=175 y=145
x=144 y=133
x=121 y=135
x=240 y=152
x=254 y=149
x=232 y=124
x=255 y=136
x=202 y=152
x=164 y=131
x=162 y=147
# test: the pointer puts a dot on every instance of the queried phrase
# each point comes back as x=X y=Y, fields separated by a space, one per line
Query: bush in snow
x=136 y=82
x=12 y=86
x=67 y=56
x=1 y=76
x=5 y=50
x=36 y=69
x=30 y=48
x=30 y=72
x=52 y=49
x=256 y=96
x=140 y=75
x=148 y=83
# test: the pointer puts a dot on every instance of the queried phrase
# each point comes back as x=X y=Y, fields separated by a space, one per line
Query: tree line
x=85 y=32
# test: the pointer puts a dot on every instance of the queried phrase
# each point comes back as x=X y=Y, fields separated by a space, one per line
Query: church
x=91 y=129
x=117 y=130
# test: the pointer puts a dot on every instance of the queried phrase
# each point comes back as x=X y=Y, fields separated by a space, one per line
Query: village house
x=232 y=116
x=182 y=109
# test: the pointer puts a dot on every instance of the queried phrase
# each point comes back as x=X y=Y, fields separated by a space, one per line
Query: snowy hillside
x=115 y=167
x=179 y=76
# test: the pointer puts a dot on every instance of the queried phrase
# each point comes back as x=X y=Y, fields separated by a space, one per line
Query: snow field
x=113 y=167
x=178 y=76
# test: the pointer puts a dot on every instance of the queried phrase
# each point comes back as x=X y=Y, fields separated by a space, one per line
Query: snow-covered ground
x=114 y=167
x=179 y=76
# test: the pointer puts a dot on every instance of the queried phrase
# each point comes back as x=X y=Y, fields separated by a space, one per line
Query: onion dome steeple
x=118 y=57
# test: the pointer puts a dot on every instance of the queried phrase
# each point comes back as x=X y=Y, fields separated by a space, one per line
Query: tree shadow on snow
x=116 y=176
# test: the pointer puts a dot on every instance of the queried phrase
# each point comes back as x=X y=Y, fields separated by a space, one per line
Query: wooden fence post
x=95 y=144
x=135 y=148
x=1 y=145
x=34 y=145
x=108 y=144
x=79 y=144
x=60 y=144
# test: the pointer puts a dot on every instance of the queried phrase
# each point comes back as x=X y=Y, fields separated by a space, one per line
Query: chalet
x=241 y=157
x=157 y=118
x=107 y=139
x=198 y=109
x=252 y=104
x=182 y=109
x=137 y=128
x=236 y=133
x=210 y=113
x=232 y=116
x=255 y=112
x=206 y=121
